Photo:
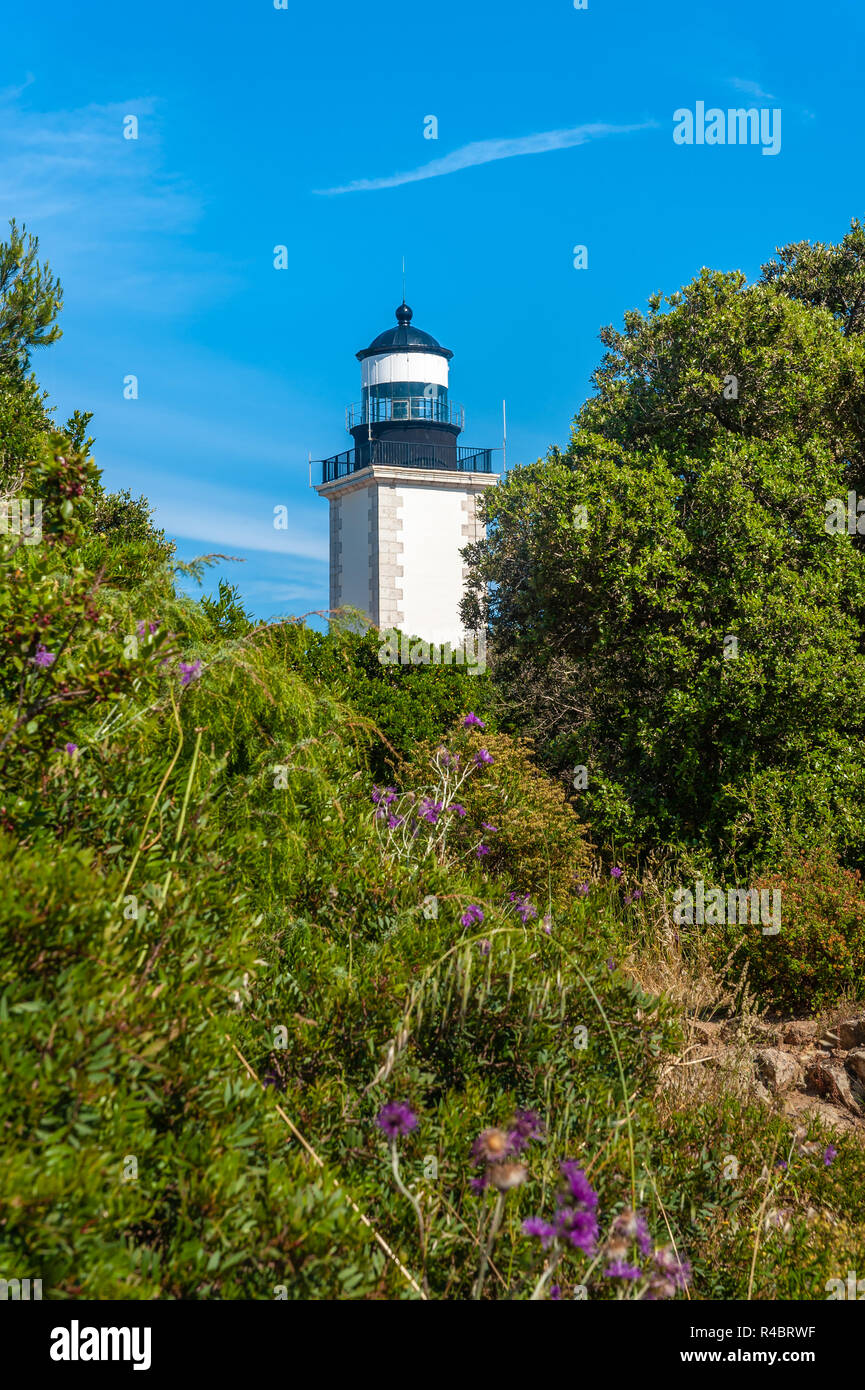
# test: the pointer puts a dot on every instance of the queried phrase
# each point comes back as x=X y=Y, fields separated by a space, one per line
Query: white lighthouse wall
x=432 y=584
x=404 y=366
x=354 y=557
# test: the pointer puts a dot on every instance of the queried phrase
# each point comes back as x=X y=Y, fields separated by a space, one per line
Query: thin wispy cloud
x=751 y=89
x=121 y=218
x=488 y=151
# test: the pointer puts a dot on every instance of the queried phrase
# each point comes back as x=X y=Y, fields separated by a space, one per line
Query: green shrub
x=819 y=953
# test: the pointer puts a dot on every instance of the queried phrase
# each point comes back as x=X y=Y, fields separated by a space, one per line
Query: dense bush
x=819 y=954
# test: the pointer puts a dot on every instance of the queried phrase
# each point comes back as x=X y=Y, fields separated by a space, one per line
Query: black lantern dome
x=404 y=337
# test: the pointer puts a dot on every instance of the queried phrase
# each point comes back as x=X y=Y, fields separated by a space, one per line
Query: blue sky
x=248 y=115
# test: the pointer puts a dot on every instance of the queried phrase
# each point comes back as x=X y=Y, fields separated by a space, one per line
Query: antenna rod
x=504 y=440
x=403 y=279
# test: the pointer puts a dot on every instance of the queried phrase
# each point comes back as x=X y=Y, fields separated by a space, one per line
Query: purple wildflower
x=71 y=748
x=579 y=1187
x=492 y=1146
x=540 y=1230
x=615 y=872
x=477 y=1185
x=485 y=947
x=633 y=1226
x=455 y=806
x=493 y=829
x=671 y=1270
x=43 y=657
x=522 y=906
x=394 y=821
x=547 y=924
x=611 y=964
x=482 y=757
x=619 y=1269
x=430 y=810
x=471 y=721
x=583 y=888
x=482 y=850
x=473 y=914
x=829 y=1155
x=525 y=1126
x=555 y=1293
x=189 y=671
x=383 y=795
x=578 y=1227
x=395 y=1119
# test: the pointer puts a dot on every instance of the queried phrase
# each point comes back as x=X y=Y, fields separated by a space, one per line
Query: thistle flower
x=615 y=872
x=396 y=1119
x=71 y=748
x=455 y=806
x=473 y=914
x=481 y=851
x=482 y=757
x=578 y=1227
x=492 y=1146
x=671 y=1270
x=619 y=1269
x=43 y=657
x=430 y=810
x=471 y=721
x=632 y=1226
x=525 y=1126
x=395 y=821
x=504 y=1176
x=579 y=1189
x=540 y=1230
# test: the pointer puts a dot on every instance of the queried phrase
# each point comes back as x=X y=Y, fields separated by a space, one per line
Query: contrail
x=486 y=151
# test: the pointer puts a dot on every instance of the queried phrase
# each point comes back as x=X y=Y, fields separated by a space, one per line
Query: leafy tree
x=226 y=613
x=830 y=277
x=723 y=422
x=611 y=642
x=720 y=358
x=30 y=300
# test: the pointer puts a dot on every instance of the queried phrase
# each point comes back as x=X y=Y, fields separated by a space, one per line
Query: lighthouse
x=403 y=500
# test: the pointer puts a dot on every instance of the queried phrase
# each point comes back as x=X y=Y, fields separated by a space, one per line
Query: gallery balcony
x=460 y=458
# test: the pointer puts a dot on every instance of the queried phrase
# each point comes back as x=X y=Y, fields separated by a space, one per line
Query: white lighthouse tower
x=403 y=501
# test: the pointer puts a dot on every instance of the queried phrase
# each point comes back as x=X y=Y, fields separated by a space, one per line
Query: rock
x=778 y=1070
x=855 y=1062
x=829 y=1079
x=852 y=1032
x=800 y=1032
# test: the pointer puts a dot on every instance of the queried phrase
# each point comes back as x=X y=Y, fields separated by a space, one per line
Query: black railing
x=460 y=458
